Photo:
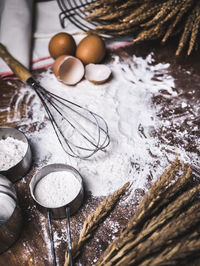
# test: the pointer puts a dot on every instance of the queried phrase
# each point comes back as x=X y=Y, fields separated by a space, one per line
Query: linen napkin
x=16 y=30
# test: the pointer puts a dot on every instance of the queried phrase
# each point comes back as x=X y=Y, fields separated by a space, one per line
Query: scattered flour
x=12 y=152
x=135 y=153
x=57 y=189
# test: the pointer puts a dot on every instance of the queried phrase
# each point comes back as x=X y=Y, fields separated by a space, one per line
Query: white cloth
x=16 y=29
x=47 y=24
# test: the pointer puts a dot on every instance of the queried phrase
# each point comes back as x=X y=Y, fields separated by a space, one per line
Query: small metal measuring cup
x=21 y=168
x=62 y=211
x=10 y=215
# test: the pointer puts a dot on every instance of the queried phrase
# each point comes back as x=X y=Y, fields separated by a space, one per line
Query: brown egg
x=68 y=69
x=62 y=43
x=91 y=49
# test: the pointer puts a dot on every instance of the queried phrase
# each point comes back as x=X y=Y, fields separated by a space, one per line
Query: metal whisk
x=80 y=132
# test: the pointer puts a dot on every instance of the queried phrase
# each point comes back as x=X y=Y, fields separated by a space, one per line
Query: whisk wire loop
x=57 y=108
x=58 y=99
x=80 y=131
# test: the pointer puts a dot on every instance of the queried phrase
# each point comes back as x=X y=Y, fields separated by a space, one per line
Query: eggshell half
x=97 y=73
x=68 y=69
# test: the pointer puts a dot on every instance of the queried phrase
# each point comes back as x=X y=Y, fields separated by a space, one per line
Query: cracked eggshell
x=68 y=69
x=97 y=73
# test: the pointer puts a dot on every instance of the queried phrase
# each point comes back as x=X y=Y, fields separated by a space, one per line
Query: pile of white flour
x=12 y=152
x=57 y=189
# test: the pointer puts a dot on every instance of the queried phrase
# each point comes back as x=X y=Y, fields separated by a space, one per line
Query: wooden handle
x=14 y=65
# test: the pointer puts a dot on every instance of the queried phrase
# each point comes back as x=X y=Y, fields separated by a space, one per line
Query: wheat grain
x=93 y=221
x=177 y=227
x=177 y=253
x=195 y=30
x=186 y=32
x=149 y=20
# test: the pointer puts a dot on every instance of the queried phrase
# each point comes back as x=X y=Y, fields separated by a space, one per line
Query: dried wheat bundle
x=149 y=20
x=180 y=250
x=155 y=224
x=157 y=232
x=164 y=237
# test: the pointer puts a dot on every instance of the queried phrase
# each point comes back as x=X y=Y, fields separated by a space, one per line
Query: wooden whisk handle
x=20 y=70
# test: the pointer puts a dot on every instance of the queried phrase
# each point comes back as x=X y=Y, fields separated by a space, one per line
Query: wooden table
x=33 y=247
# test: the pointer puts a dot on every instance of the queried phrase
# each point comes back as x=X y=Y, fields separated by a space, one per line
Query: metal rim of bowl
x=11 y=227
x=18 y=170
x=15 y=201
x=10 y=230
x=6 y=186
x=58 y=212
x=10 y=192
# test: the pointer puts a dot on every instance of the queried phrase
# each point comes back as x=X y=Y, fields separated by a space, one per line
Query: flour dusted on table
x=57 y=189
x=12 y=152
x=125 y=104
x=139 y=129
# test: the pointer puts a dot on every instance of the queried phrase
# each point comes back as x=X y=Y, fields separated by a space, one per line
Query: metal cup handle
x=69 y=241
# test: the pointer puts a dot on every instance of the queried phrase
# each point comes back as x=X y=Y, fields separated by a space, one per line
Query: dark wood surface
x=33 y=246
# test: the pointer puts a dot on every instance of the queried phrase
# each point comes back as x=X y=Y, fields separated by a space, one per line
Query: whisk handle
x=14 y=65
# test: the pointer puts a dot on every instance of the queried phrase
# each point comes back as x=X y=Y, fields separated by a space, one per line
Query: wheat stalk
x=93 y=220
x=195 y=30
x=174 y=188
x=116 y=13
x=171 y=211
x=182 y=11
x=164 y=10
x=148 y=20
x=186 y=32
x=100 y=3
x=178 y=252
x=176 y=228
x=135 y=18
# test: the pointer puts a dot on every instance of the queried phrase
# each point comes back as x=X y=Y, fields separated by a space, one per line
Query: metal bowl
x=7 y=187
x=10 y=215
x=21 y=168
x=59 y=212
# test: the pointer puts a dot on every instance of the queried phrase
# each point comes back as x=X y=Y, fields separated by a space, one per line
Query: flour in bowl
x=57 y=189
x=12 y=152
